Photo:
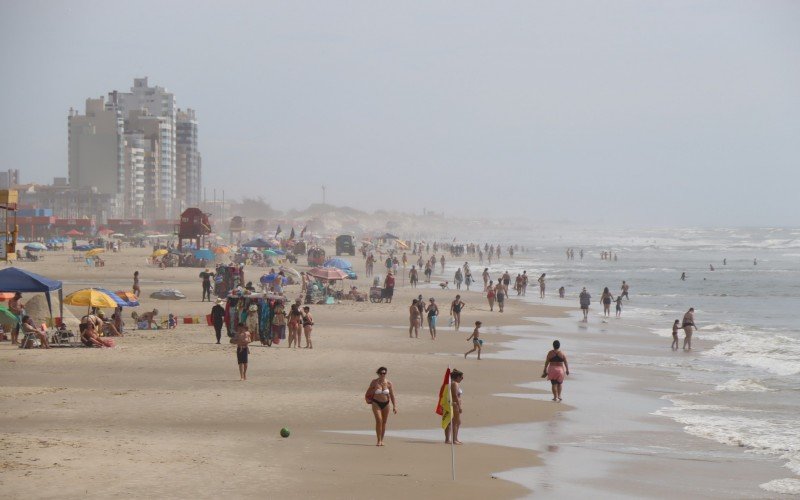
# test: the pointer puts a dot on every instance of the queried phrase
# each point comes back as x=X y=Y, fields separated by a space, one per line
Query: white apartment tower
x=188 y=159
x=160 y=104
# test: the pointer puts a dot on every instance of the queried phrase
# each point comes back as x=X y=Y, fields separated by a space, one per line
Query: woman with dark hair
x=379 y=394
x=606 y=299
x=541 y=286
x=555 y=368
x=16 y=306
x=29 y=328
x=456 y=376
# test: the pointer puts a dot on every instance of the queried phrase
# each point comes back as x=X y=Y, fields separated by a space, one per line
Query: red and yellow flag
x=445 y=405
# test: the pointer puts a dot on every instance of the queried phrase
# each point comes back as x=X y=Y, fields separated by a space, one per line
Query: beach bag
x=368 y=395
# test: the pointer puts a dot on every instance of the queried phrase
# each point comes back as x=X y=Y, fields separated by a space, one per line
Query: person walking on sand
x=413 y=277
x=308 y=326
x=456 y=377
x=688 y=328
x=541 y=286
x=242 y=341
x=555 y=369
x=433 y=313
x=486 y=279
x=455 y=311
x=388 y=287
x=606 y=299
x=585 y=300
x=624 y=289
x=490 y=295
x=136 y=290
x=477 y=343
x=218 y=318
x=500 y=295
x=206 y=277
x=675 y=327
x=458 y=278
x=379 y=394
x=414 y=319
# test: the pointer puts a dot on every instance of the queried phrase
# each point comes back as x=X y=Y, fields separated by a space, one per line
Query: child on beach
x=618 y=300
x=242 y=341
x=675 y=327
x=477 y=343
x=171 y=321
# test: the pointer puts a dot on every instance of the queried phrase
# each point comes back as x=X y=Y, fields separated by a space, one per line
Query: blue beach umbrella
x=35 y=246
x=338 y=263
x=269 y=278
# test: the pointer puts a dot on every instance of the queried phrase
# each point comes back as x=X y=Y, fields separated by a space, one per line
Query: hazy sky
x=627 y=111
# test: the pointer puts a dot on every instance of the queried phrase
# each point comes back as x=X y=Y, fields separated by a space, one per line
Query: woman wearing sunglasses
x=379 y=394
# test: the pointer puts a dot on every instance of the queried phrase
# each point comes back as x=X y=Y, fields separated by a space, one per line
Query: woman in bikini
x=308 y=326
x=414 y=319
x=379 y=394
x=490 y=295
x=541 y=286
x=675 y=327
x=295 y=325
x=555 y=368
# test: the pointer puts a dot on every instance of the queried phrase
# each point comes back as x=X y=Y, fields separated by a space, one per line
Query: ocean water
x=749 y=364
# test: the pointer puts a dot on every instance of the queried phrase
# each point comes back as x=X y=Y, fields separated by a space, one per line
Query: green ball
x=285 y=432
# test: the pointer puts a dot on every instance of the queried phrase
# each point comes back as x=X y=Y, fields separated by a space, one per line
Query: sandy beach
x=164 y=414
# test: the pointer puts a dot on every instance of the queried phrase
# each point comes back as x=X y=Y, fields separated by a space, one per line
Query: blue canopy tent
x=204 y=253
x=338 y=263
x=257 y=243
x=13 y=279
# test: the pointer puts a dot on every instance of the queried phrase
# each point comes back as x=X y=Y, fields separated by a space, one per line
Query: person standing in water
x=606 y=299
x=688 y=328
x=683 y=276
x=555 y=369
x=541 y=286
x=477 y=343
x=585 y=300
x=624 y=289
x=675 y=327
x=619 y=305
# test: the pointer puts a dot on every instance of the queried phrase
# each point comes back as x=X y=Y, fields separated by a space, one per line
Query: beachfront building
x=96 y=151
x=139 y=147
x=153 y=105
x=188 y=159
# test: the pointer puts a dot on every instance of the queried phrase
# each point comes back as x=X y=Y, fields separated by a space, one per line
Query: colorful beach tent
x=13 y=279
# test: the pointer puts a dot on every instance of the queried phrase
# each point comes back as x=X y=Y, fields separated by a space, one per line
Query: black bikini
x=556 y=358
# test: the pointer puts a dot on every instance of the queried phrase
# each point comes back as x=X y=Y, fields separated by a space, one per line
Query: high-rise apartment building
x=96 y=151
x=9 y=178
x=140 y=146
x=188 y=159
x=158 y=103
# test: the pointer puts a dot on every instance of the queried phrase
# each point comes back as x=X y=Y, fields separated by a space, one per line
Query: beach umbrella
x=94 y=297
x=270 y=252
x=328 y=273
x=167 y=294
x=83 y=248
x=160 y=252
x=221 y=250
x=7 y=314
x=291 y=272
x=73 y=232
x=95 y=251
x=338 y=263
x=204 y=253
x=35 y=246
x=129 y=297
x=117 y=235
x=4 y=296
x=105 y=231
x=269 y=278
